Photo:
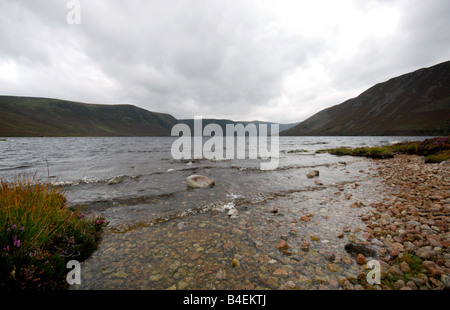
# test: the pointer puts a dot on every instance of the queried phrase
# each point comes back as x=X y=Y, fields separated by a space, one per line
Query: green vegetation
x=434 y=150
x=39 y=235
x=31 y=117
x=416 y=270
x=440 y=157
x=372 y=152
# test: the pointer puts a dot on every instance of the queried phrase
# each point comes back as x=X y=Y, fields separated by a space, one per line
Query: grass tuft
x=39 y=234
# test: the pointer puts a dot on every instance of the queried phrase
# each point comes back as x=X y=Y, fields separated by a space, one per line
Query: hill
x=27 y=116
x=416 y=103
x=223 y=122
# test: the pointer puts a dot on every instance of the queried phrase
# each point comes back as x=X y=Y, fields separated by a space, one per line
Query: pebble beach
x=394 y=211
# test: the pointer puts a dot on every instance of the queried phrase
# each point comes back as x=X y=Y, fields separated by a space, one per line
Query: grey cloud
x=227 y=59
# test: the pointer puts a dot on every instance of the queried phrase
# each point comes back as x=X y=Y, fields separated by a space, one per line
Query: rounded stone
x=199 y=181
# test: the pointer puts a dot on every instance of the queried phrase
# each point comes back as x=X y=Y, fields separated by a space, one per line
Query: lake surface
x=164 y=235
x=152 y=183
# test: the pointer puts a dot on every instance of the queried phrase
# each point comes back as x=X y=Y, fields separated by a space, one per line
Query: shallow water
x=164 y=235
x=83 y=166
x=197 y=251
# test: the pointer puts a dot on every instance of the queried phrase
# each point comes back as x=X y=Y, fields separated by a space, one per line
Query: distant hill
x=34 y=117
x=27 y=116
x=416 y=103
x=223 y=122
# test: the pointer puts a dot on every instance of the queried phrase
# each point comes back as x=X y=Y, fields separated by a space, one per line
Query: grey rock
x=446 y=280
x=355 y=249
x=115 y=180
x=182 y=285
x=399 y=284
x=329 y=257
x=199 y=181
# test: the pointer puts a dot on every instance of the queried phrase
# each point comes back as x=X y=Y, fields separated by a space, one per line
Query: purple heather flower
x=16 y=241
x=22 y=228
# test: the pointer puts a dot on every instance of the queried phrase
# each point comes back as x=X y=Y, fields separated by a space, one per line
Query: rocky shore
x=322 y=237
x=412 y=223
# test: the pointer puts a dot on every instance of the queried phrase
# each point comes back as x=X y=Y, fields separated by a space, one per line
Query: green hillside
x=27 y=116
x=416 y=103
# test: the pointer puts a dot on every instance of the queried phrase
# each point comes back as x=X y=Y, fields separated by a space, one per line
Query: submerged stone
x=199 y=181
x=115 y=180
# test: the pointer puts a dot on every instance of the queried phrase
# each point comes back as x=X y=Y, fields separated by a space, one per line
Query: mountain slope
x=416 y=103
x=223 y=122
x=27 y=116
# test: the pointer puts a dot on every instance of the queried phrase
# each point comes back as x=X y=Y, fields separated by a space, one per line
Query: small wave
x=233 y=196
x=16 y=168
x=85 y=180
x=315 y=143
x=74 y=182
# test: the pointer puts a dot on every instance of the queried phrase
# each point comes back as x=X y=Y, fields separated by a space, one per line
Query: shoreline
x=297 y=241
x=413 y=223
x=288 y=240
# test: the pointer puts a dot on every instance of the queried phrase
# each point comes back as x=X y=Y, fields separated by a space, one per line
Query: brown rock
x=395 y=270
x=282 y=245
x=289 y=285
x=367 y=235
x=235 y=263
x=427 y=264
x=345 y=283
x=221 y=275
x=280 y=272
x=361 y=259
x=346 y=260
x=412 y=285
x=435 y=241
x=436 y=271
x=356 y=204
x=312 y=173
x=195 y=256
x=446 y=243
x=395 y=252
x=404 y=267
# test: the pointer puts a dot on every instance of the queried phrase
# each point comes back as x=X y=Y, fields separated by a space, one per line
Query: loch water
x=151 y=183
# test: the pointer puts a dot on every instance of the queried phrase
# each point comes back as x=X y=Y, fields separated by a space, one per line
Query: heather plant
x=39 y=234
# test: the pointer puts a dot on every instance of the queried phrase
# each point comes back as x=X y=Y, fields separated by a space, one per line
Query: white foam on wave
x=233 y=196
x=228 y=206
x=85 y=180
x=75 y=182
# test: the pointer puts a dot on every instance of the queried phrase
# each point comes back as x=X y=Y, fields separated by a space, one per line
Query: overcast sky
x=272 y=60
